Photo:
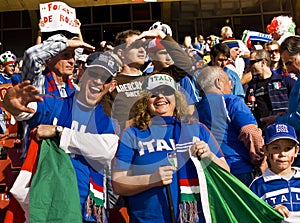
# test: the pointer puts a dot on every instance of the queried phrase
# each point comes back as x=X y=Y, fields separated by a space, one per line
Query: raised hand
x=77 y=42
x=18 y=97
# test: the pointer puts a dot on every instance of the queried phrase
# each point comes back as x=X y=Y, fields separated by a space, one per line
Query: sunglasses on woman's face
x=164 y=91
x=273 y=51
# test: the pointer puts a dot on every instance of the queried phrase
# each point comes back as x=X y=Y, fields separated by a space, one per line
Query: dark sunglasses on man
x=96 y=75
x=252 y=62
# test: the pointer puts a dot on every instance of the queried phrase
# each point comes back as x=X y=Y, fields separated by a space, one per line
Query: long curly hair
x=142 y=118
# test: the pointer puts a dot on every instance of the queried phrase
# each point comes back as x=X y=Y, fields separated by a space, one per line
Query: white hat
x=158 y=80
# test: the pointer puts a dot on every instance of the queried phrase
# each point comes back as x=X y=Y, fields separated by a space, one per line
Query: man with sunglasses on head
x=271 y=90
x=79 y=123
x=49 y=66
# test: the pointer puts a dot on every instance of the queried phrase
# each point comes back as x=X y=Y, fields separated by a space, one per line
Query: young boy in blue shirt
x=279 y=185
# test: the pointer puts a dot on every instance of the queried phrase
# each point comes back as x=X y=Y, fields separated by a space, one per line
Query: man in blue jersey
x=279 y=185
x=84 y=130
x=231 y=122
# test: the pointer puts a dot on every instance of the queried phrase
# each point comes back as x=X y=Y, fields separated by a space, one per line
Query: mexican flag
x=226 y=199
x=46 y=188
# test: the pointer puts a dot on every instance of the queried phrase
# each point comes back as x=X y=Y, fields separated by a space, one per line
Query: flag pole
x=170 y=203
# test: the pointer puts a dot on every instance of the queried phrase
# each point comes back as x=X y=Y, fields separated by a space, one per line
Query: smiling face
x=162 y=102
x=9 y=69
x=281 y=154
x=94 y=84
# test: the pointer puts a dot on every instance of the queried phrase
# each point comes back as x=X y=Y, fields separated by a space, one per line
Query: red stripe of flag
x=189 y=182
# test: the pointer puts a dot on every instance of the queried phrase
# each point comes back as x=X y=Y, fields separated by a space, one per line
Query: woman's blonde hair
x=142 y=118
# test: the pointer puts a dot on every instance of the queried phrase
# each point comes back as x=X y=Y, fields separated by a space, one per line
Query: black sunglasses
x=104 y=78
x=273 y=51
x=254 y=61
x=222 y=60
x=164 y=91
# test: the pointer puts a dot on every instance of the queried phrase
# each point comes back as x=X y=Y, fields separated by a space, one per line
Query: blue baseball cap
x=280 y=131
x=103 y=60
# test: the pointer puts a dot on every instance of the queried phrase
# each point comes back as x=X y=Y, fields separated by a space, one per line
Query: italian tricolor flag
x=225 y=199
x=46 y=189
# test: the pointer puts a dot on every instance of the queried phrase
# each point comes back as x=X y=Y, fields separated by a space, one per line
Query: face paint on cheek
x=271 y=156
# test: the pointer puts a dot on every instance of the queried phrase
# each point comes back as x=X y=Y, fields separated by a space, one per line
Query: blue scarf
x=187 y=175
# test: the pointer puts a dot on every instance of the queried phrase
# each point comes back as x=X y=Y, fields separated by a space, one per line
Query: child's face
x=281 y=154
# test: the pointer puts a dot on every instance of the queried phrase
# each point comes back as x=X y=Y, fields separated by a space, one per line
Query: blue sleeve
x=49 y=108
x=237 y=88
x=254 y=186
x=289 y=82
x=239 y=112
x=16 y=78
x=187 y=88
x=126 y=152
x=207 y=136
